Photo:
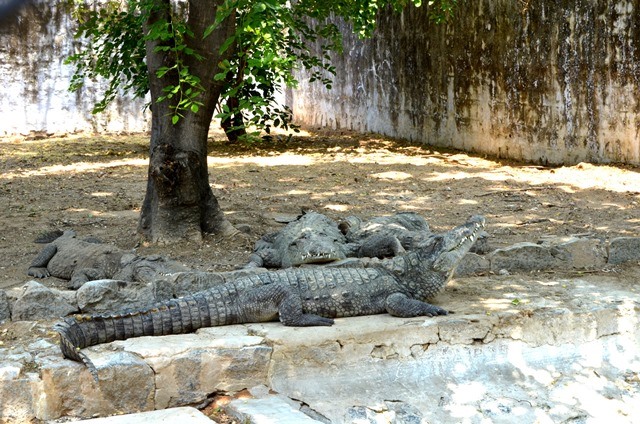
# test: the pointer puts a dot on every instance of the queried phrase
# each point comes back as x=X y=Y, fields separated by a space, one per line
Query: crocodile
x=307 y=296
x=315 y=238
x=80 y=260
x=385 y=236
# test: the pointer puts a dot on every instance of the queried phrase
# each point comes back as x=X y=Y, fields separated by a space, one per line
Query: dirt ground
x=95 y=185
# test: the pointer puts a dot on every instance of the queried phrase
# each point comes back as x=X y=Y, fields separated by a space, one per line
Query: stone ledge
x=269 y=409
x=173 y=415
x=507 y=339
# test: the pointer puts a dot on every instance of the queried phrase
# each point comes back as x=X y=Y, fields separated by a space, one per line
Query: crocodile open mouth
x=457 y=242
x=478 y=226
x=316 y=258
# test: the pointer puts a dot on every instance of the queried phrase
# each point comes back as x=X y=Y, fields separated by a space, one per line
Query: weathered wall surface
x=34 y=94
x=557 y=82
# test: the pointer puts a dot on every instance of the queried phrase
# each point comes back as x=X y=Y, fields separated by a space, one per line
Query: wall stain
x=555 y=83
x=33 y=47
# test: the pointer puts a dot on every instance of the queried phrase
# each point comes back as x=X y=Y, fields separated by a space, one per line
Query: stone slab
x=583 y=252
x=187 y=368
x=514 y=345
x=523 y=256
x=270 y=409
x=186 y=415
x=473 y=264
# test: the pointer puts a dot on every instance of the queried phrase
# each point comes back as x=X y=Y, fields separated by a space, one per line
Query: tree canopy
x=272 y=39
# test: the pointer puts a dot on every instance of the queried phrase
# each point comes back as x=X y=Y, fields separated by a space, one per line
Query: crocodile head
x=445 y=251
x=437 y=255
x=425 y=271
x=312 y=239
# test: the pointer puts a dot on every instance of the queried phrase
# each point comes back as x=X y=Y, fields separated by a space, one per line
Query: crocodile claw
x=38 y=272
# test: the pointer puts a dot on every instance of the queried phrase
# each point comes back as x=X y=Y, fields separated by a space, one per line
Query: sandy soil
x=95 y=185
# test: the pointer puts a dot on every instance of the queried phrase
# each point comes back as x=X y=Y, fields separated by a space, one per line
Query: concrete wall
x=34 y=95
x=557 y=82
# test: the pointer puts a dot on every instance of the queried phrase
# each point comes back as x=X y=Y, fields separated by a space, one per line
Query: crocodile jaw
x=457 y=242
x=318 y=254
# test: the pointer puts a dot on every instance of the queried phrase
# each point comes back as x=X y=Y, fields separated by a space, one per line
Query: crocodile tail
x=70 y=331
x=175 y=316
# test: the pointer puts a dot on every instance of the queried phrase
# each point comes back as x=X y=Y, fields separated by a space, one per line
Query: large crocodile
x=81 y=260
x=315 y=238
x=296 y=296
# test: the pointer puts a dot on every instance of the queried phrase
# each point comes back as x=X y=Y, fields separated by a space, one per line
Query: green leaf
x=161 y=72
x=210 y=29
x=228 y=42
x=194 y=108
x=175 y=119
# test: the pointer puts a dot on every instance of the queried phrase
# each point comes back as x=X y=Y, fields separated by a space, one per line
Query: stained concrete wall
x=556 y=82
x=34 y=95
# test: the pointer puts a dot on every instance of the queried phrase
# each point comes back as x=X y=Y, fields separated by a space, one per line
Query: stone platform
x=525 y=348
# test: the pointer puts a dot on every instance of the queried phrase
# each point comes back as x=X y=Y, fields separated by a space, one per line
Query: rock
x=5 y=307
x=624 y=249
x=19 y=392
x=101 y=296
x=397 y=412
x=527 y=257
x=466 y=330
x=126 y=384
x=583 y=253
x=449 y=379
x=473 y=366
x=267 y=409
x=185 y=414
x=473 y=264
x=481 y=246
x=40 y=302
x=244 y=228
x=191 y=367
x=365 y=415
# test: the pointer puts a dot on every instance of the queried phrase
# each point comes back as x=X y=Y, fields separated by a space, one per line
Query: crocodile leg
x=266 y=303
x=400 y=305
x=83 y=275
x=380 y=246
x=38 y=267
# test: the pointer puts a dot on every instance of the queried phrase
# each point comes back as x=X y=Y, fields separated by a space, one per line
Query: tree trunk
x=179 y=203
x=233 y=125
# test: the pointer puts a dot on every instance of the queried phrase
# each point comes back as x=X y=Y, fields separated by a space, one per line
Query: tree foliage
x=273 y=38
x=192 y=54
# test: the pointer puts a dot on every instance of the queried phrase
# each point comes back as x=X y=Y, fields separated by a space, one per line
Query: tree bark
x=233 y=125
x=179 y=203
